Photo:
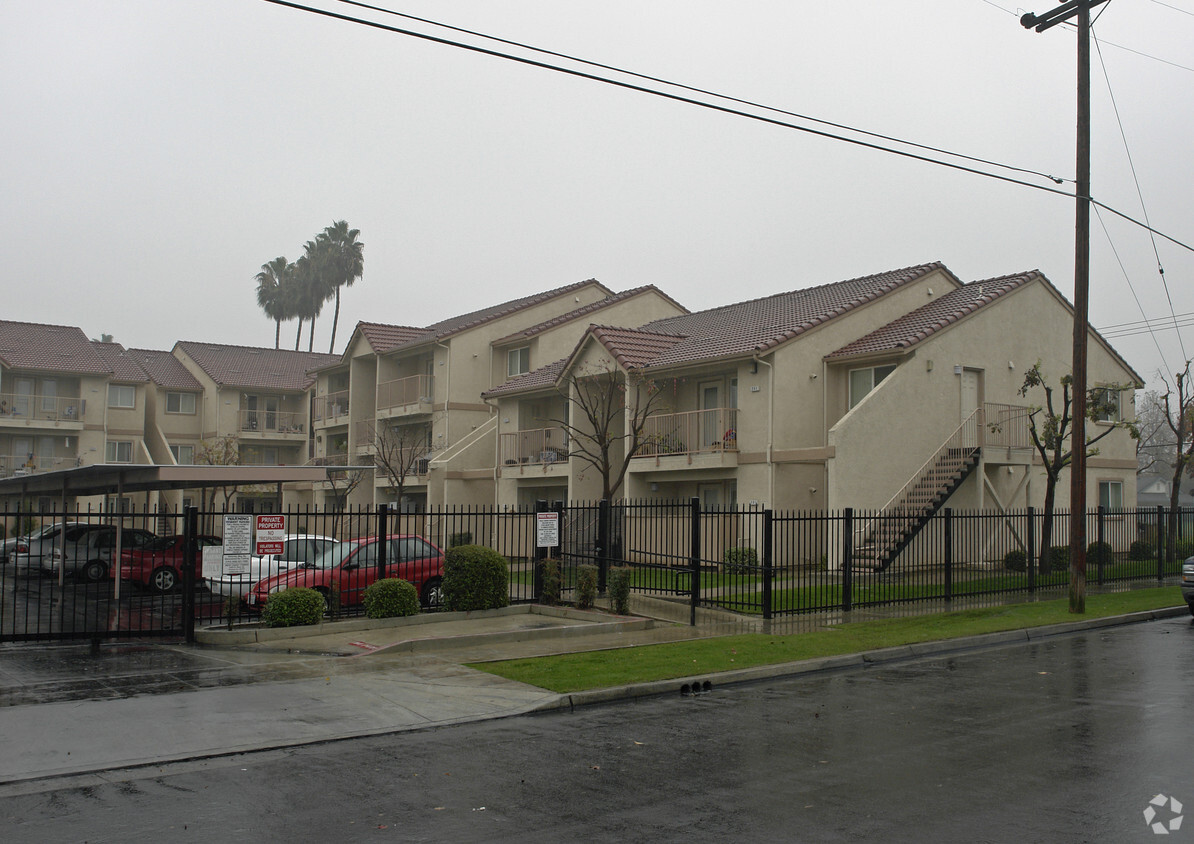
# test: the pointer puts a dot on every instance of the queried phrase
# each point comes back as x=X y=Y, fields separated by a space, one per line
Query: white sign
x=547 y=530
x=271 y=534
x=238 y=543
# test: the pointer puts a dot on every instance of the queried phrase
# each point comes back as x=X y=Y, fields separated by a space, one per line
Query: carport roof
x=106 y=478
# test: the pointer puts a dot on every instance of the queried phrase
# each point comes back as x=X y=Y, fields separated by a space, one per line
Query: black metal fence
x=84 y=575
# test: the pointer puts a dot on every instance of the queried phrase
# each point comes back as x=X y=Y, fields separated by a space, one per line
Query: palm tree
x=345 y=262
x=311 y=288
x=271 y=298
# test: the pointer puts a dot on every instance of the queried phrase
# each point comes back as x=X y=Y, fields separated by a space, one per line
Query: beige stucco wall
x=888 y=436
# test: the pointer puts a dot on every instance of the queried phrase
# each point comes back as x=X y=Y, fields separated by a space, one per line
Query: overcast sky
x=155 y=154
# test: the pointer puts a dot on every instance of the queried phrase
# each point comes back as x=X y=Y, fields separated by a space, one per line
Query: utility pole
x=1064 y=12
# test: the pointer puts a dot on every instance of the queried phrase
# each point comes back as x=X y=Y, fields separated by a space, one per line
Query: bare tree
x=401 y=452
x=1178 y=406
x=607 y=428
x=1050 y=429
x=1156 y=437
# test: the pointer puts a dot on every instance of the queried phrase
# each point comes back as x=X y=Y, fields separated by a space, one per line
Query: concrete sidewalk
x=67 y=711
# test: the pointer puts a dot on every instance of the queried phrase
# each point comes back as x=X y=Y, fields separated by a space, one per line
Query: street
x=1064 y=740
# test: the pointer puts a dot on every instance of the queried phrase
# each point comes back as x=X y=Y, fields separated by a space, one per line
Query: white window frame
x=1106 y=498
x=180 y=402
x=49 y=395
x=518 y=361
x=181 y=450
x=118 y=394
x=853 y=400
x=113 y=448
x=1117 y=414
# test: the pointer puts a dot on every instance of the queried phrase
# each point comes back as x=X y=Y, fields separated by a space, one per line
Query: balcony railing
x=329 y=460
x=331 y=407
x=535 y=447
x=22 y=406
x=692 y=432
x=271 y=422
x=12 y=465
x=1006 y=426
x=403 y=392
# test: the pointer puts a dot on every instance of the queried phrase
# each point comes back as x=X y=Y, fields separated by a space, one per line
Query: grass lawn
x=601 y=669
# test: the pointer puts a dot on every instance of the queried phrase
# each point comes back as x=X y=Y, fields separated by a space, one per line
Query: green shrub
x=586 y=586
x=1099 y=553
x=291 y=607
x=552 y=582
x=1184 y=548
x=1141 y=549
x=392 y=597
x=619 y=589
x=741 y=560
x=1059 y=558
x=1015 y=560
x=462 y=538
x=475 y=578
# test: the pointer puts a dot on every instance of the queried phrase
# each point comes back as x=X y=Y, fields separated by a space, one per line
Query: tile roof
x=384 y=337
x=536 y=379
x=585 y=310
x=51 y=348
x=165 y=370
x=937 y=315
x=634 y=348
x=756 y=326
x=245 y=366
x=124 y=367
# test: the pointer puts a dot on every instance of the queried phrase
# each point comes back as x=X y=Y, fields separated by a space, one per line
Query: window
x=1111 y=495
x=180 y=403
x=122 y=395
x=49 y=395
x=862 y=381
x=118 y=452
x=518 y=361
x=184 y=455
x=1106 y=404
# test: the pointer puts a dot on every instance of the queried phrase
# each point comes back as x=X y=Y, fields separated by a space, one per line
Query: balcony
x=713 y=431
x=272 y=424
x=14 y=466
x=546 y=447
x=33 y=411
x=405 y=396
x=331 y=409
x=329 y=460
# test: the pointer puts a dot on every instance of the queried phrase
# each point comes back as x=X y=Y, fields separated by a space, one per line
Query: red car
x=349 y=567
x=158 y=565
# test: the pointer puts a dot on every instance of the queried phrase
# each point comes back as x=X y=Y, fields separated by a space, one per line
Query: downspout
x=770 y=428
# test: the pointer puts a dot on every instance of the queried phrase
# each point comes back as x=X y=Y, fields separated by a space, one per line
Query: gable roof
x=124 y=367
x=915 y=326
x=246 y=366
x=382 y=337
x=165 y=370
x=50 y=348
x=537 y=379
x=586 y=311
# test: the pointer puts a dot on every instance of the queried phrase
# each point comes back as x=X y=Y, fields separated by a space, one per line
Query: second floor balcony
x=272 y=423
x=330 y=409
x=405 y=396
x=535 y=447
x=30 y=410
x=14 y=465
x=709 y=431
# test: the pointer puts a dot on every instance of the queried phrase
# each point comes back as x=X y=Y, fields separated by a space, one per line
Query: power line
x=1175 y=8
x=707 y=105
x=705 y=92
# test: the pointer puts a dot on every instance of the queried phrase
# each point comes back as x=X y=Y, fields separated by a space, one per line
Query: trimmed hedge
x=553 y=582
x=392 y=597
x=1142 y=549
x=741 y=560
x=1015 y=560
x=619 y=590
x=292 y=607
x=1059 y=558
x=475 y=578
x=1099 y=552
x=586 y=586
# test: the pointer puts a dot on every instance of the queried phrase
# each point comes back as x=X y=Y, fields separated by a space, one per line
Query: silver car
x=84 y=549
x=297 y=550
x=1188 y=583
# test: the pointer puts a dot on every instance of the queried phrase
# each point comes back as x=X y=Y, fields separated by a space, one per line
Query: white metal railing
x=691 y=432
x=1006 y=425
x=330 y=407
x=404 y=391
x=537 y=446
x=34 y=407
x=15 y=465
x=272 y=422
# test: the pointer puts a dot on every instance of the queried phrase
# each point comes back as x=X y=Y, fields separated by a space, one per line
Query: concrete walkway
x=66 y=711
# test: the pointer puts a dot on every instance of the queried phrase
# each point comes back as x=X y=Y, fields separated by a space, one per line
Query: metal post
x=1031 y=561
x=949 y=554
x=382 y=545
x=540 y=551
x=848 y=559
x=1160 y=542
x=694 y=557
x=604 y=541
x=190 y=553
x=768 y=571
x=1100 y=533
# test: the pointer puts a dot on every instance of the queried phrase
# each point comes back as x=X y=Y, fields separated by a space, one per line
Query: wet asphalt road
x=1065 y=740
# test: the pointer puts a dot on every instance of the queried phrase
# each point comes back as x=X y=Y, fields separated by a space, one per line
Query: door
x=21 y=402
x=711 y=426
x=971 y=389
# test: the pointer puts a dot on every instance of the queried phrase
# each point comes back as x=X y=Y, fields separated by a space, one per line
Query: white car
x=297 y=550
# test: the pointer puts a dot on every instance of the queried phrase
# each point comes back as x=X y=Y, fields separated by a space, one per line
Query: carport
x=109 y=479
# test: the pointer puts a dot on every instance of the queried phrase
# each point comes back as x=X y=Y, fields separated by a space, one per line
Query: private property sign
x=271 y=533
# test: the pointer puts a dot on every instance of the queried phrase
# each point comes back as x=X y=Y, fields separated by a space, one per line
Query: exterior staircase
x=907 y=513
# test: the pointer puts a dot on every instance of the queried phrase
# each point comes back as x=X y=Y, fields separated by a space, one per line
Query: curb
x=900 y=653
